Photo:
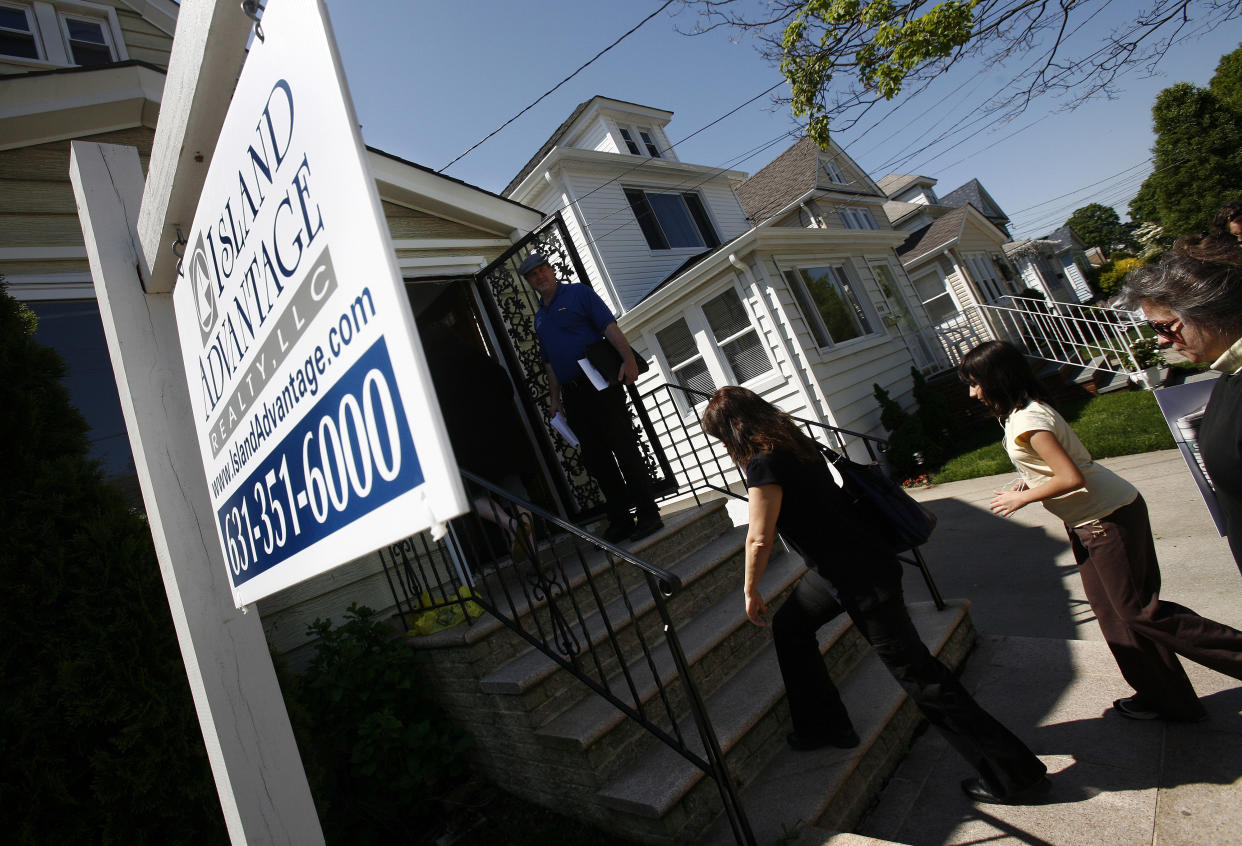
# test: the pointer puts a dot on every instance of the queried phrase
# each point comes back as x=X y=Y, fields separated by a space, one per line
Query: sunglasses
x=1165 y=329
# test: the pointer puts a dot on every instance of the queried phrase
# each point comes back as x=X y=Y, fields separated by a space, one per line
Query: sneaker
x=618 y=531
x=647 y=527
x=1132 y=708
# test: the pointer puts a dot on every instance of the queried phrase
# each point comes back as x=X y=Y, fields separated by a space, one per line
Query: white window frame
x=945 y=291
x=709 y=348
x=32 y=28
x=645 y=140
x=857 y=217
x=791 y=273
x=52 y=36
x=833 y=171
x=64 y=17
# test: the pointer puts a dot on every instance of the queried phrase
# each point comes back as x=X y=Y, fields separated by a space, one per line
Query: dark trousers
x=1004 y=761
x=609 y=448
x=1121 y=577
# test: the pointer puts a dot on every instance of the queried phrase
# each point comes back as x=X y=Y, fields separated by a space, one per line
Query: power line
x=545 y=94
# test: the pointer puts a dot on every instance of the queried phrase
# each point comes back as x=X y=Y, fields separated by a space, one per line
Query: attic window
x=652 y=149
x=17 y=33
x=644 y=135
x=833 y=172
x=857 y=218
x=672 y=221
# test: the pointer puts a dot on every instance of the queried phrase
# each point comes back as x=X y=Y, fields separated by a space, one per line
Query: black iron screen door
x=511 y=306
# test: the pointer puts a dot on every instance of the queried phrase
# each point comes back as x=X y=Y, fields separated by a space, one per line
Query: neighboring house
x=954 y=255
x=785 y=283
x=1054 y=265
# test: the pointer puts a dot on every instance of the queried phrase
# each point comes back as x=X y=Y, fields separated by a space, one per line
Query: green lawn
x=1112 y=424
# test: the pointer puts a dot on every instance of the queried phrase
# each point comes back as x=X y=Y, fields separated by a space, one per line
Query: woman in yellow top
x=1110 y=533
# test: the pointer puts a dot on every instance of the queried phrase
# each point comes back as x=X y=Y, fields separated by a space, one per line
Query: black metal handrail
x=703 y=463
x=578 y=600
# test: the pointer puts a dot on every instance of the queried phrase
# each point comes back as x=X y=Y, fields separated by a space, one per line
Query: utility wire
x=545 y=94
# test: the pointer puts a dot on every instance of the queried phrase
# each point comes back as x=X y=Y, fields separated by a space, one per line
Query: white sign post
x=317 y=423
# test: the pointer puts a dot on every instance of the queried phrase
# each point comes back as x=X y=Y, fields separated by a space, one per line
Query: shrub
x=99 y=734
x=1114 y=273
x=380 y=753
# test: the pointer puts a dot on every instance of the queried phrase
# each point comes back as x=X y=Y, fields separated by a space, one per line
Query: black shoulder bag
x=905 y=523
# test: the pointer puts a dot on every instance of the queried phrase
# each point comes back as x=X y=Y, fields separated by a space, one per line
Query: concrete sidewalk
x=1043 y=669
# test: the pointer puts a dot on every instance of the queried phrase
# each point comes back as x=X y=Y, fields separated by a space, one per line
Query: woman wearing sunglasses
x=1193 y=300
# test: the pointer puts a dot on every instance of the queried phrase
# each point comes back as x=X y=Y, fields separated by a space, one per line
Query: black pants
x=609 y=448
x=1116 y=558
x=1004 y=761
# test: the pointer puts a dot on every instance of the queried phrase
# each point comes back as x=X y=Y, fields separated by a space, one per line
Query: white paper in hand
x=597 y=378
x=560 y=424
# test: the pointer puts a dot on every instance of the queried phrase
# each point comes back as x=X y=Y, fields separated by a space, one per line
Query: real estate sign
x=319 y=431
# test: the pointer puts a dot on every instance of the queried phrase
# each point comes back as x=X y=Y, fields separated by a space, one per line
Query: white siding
x=597 y=136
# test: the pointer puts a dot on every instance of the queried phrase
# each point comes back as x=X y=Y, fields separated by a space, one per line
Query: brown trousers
x=1120 y=574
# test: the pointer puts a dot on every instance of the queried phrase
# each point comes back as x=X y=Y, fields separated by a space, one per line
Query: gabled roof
x=934 y=236
x=559 y=134
x=781 y=181
x=895 y=183
x=974 y=193
x=896 y=210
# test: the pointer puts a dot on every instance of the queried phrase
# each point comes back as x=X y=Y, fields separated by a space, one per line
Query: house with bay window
x=785 y=282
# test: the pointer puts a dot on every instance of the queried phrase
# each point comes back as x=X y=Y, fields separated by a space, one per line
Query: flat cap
x=531 y=262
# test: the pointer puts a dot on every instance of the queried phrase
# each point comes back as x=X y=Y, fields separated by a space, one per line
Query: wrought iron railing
x=604 y=615
x=701 y=463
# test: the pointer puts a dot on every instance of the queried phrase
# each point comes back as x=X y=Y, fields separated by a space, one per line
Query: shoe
x=1030 y=795
x=646 y=528
x=1132 y=708
x=618 y=531
x=845 y=739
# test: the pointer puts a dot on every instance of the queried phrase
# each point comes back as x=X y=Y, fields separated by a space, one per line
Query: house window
x=831 y=302
x=833 y=172
x=685 y=361
x=937 y=300
x=856 y=218
x=986 y=276
x=644 y=135
x=629 y=141
x=88 y=40
x=671 y=221
x=736 y=336
x=17 y=33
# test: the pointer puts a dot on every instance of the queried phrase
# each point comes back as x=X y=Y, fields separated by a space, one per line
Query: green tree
x=843 y=56
x=1197 y=157
x=97 y=727
x=1098 y=225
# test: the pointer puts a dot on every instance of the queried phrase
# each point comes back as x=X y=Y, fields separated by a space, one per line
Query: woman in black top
x=1193 y=299
x=853 y=570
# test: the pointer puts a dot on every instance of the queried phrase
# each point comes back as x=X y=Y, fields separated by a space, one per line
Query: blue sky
x=431 y=79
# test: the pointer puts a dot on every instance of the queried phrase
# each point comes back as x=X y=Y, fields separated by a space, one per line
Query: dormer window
x=857 y=218
x=672 y=221
x=833 y=172
x=644 y=136
x=60 y=33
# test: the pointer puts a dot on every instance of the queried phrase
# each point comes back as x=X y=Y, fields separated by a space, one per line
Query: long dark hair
x=748 y=425
x=1003 y=375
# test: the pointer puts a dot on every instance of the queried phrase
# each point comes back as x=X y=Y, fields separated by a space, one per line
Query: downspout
x=799 y=376
x=600 y=267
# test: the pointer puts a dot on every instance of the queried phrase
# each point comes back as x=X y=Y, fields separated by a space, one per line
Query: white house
x=785 y=283
x=1053 y=265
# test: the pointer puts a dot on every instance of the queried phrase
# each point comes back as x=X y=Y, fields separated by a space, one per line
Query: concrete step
x=715 y=642
x=624 y=625
x=831 y=788
x=815 y=836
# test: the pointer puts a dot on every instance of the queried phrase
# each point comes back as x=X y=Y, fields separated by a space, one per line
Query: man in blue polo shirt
x=570 y=317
